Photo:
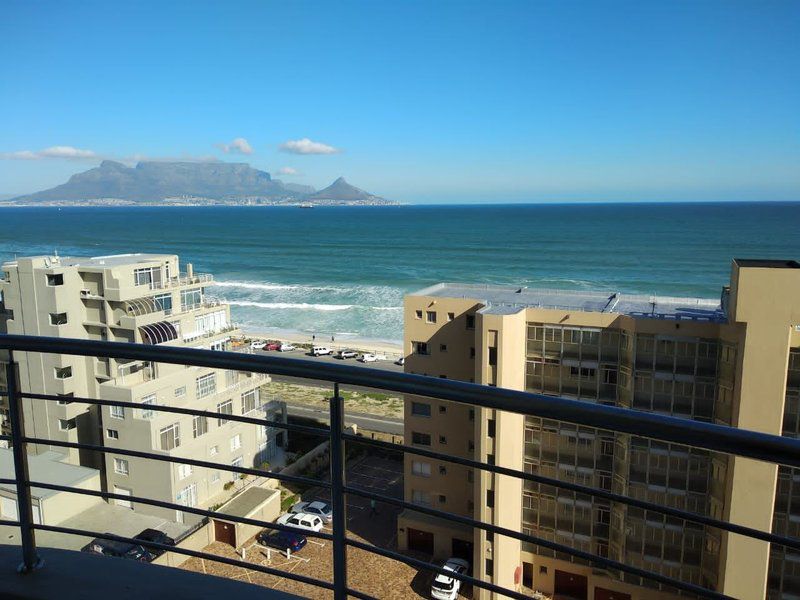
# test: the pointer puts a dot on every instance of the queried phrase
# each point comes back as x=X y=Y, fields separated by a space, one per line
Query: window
x=490 y=498
x=442 y=409
x=418 y=314
x=224 y=408
x=112 y=434
x=430 y=316
x=117 y=412
x=472 y=352
x=420 y=348
x=66 y=424
x=420 y=439
x=442 y=499
x=451 y=316
x=188 y=495
x=206 y=385
x=121 y=466
x=147 y=413
x=55 y=279
x=191 y=299
x=146 y=276
x=610 y=375
x=199 y=426
x=442 y=347
x=420 y=497
x=170 y=437
x=443 y=440
x=236 y=442
x=491 y=427
x=184 y=471
x=65 y=402
x=249 y=401
x=58 y=318
x=493 y=357
x=63 y=372
x=489 y=567
x=164 y=302
x=420 y=409
x=236 y=462
x=421 y=469
x=442 y=470
x=180 y=392
x=215 y=477
x=470 y=321
x=213 y=451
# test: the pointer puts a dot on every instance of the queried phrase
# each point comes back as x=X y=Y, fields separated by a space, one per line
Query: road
x=361 y=420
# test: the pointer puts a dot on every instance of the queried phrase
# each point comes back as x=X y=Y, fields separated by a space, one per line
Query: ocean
x=344 y=270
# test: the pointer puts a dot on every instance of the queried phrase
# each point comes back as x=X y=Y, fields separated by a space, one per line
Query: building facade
x=138 y=298
x=735 y=361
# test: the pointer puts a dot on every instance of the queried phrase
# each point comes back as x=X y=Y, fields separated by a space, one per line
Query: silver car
x=321 y=509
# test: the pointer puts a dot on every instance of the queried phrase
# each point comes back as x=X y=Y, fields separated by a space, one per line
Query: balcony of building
x=566 y=531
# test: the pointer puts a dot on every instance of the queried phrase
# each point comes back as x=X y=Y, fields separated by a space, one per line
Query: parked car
x=346 y=354
x=320 y=350
x=301 y=521
x=445 y=587
x=400 y=361
x=272 y=346
x=286 y=347
x=368 y=357
x=154 y=535
x=282 y=540
x=258 y=344
x=118 y=549
x=321 y=509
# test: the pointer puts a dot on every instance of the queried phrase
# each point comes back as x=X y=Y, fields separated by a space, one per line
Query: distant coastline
x=189 y=203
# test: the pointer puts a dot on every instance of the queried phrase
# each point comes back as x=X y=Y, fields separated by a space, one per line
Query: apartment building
x=735 y=361
x=139 y=298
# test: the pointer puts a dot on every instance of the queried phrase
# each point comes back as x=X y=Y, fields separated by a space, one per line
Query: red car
x=272 y=346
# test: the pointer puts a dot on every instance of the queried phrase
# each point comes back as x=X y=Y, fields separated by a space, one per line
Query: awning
x=141 y=306
x=158 y=333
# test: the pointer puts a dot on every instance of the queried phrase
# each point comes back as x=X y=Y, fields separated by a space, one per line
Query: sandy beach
x=390 y=348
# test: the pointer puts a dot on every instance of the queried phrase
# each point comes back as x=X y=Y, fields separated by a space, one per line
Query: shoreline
x=392 y=348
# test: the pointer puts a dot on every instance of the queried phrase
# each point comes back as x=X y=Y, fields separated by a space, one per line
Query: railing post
x=30 y=558
x=337 y=496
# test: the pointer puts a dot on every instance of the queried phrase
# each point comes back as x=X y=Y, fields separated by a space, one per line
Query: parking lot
x=367 y=572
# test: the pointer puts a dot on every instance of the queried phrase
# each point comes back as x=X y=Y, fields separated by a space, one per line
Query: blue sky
x=422 y=101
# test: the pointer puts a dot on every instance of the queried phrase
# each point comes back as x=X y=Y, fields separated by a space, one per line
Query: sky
x=421 y=102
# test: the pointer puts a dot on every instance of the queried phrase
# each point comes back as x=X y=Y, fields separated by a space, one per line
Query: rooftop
x=114 y=260
x=767 y=263
x=45 y=467
x=248 y=501
x=498 y=299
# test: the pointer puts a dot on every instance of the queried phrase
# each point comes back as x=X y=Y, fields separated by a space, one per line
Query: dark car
x=154 y=535
x=282 y=540
x=118 y=549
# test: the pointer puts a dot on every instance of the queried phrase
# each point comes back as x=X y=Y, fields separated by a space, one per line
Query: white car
x=302 y=521
x=320 y=350
x=445 y=587
x=322 y=509
x=258 y=344
x=286 y=348
x=400 y=361
x=365 y=358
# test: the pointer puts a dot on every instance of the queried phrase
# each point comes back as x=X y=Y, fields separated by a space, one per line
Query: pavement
x=361 y=420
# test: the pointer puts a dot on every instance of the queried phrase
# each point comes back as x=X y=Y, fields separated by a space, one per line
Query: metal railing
x=754 y=445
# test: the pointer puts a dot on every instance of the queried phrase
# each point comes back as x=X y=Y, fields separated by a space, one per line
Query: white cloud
x=306 y=146
x=236 y=146
x=288 y=171
x=67 y=152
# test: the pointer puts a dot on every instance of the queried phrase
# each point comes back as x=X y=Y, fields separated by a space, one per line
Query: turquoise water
x=344 y=271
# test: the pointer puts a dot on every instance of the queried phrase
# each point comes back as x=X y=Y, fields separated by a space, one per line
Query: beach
x=390 y=348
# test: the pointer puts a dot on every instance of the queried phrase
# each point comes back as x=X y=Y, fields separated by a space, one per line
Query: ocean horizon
x=343 y=271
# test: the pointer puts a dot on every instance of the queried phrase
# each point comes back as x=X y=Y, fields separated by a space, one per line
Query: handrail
x=712 y=437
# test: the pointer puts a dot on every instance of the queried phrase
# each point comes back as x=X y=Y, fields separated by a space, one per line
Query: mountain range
x=193 y=183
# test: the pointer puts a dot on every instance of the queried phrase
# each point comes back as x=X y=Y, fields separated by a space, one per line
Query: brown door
x=421 y=541
x=569 y=585
x=225 y=533
x=604 y=594
x=527 y=575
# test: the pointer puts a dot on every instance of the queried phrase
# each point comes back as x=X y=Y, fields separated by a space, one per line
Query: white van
x=321 y=350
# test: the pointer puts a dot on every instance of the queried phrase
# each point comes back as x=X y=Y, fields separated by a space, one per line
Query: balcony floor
x=68 y=574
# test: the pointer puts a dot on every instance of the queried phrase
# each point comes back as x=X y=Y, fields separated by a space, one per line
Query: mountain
x=189 y=183
x=341 y=191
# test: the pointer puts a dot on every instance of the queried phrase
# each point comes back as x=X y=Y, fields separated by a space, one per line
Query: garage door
x=420 y=541
x=123 y=492
x=571 y=586
x=604 y=594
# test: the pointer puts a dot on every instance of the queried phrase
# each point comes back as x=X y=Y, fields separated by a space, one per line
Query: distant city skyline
x=416 y=102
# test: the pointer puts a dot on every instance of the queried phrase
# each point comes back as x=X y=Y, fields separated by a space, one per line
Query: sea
x=343 y=271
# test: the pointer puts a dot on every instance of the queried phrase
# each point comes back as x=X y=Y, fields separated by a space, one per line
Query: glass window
x=224 y=408
x=117 y=412
x=184 y=471
x=191 y=299
x=112 y=434
x=147 y=413
x=206 y=385
x=121 y=466
x=164 y=302
x=430 y=316
x=470 y=321
x=420 y=439
x=418 y=314
x=199 y=426
x=66 y=424
x=420 y=348
x=58 y=318
x=236 y=442
x=180 y=392
x=249 y=401
x=55 y=279
x=170 y=437
x=420 y=497
x=420 y=409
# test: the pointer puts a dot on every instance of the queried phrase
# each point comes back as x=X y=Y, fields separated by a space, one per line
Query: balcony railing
x=753 y=445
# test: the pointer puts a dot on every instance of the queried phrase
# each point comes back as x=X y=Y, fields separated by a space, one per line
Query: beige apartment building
x=735 y=361
x=141 y=298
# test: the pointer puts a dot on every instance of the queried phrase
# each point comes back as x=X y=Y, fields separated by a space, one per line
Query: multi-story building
x=140 y=298
x=735 y=361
